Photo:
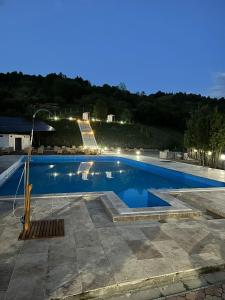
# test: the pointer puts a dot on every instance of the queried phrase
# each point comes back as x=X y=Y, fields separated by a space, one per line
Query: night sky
x=150 y=45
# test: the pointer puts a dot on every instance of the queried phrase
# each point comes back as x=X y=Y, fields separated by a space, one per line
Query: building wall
x=8 y=140
x=4 y=140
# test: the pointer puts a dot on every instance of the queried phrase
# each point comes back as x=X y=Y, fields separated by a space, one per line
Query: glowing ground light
x=70 y=118
x=118 y=150
x=138 y=152
x=118 y=162
x=70 y=174
x=56 y=118
x=209 y=153
x=51 y=166
x=222 y=156
x=55 y=174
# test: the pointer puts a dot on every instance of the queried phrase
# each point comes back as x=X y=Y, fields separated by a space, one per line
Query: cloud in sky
x=218 y=89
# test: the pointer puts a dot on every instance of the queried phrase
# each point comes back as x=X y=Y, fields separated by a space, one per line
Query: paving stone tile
x=131 y=233
x=102 y=220
x=87 y=238
x=189 y=236
x=6 y=270
x=2 y=295
x=175 y=255
x=76 y=225
x=215 y=277
x=26 y=288
x=30 y=264
x=143 y=249
x=140 y=294
x=35 y=246
x=168 y=248
x=62 y=279
x=115 y=248
x=128 y=270
x=99 y=277
x=206 y=260
x=96 y=211
x=6 y=207
x=156 y=267
x=28 y=277
x=94 y=204
x=61 y=250
x=94 y=268
x=194 y=283
x=89 y=257
x=172 y=289
x=155 y=234
x=9 y=243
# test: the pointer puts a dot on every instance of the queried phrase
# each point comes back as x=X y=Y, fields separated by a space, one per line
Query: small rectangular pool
x=129 y=179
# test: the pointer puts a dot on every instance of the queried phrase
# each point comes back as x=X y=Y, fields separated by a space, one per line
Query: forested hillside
x=21 y=94
x=114 y=135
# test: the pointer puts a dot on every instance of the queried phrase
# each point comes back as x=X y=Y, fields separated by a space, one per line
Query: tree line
x=205 y=135
x=21 y=94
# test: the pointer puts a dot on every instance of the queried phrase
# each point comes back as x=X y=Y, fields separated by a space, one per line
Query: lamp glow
x=209 y=153
x=138 y=152
x=222 y=156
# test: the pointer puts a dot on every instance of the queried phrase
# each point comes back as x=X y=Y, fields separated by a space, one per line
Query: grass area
x=115 y=135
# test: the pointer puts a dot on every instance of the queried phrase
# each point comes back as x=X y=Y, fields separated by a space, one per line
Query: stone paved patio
x=173 y=259
x=98 y=258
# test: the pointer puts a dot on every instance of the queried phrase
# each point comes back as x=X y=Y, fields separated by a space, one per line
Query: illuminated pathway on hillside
x=88 y=137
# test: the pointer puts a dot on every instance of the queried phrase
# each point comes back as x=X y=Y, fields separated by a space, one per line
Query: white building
x=17 y=142
x=86 y=116
x=15 y=132
x=110 y=118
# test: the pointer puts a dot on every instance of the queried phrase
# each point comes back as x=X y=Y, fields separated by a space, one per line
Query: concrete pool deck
x=101 y=259
x=7 y=160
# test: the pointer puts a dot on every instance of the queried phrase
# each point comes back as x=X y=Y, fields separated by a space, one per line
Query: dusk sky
x=150 y=45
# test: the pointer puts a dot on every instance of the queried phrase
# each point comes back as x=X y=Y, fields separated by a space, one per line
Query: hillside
x=22 y=94
x=114 y=135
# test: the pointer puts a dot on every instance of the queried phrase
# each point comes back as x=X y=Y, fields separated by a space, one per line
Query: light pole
x=28 y=186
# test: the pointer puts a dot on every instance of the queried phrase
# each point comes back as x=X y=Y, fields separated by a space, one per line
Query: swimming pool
x=129 y=179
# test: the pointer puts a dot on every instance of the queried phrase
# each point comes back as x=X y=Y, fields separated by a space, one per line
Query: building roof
x=19 y=124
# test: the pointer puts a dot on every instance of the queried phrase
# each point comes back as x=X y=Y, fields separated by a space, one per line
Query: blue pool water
x=127 y=178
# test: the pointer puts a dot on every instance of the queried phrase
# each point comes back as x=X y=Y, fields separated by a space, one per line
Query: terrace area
x=103 y=258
